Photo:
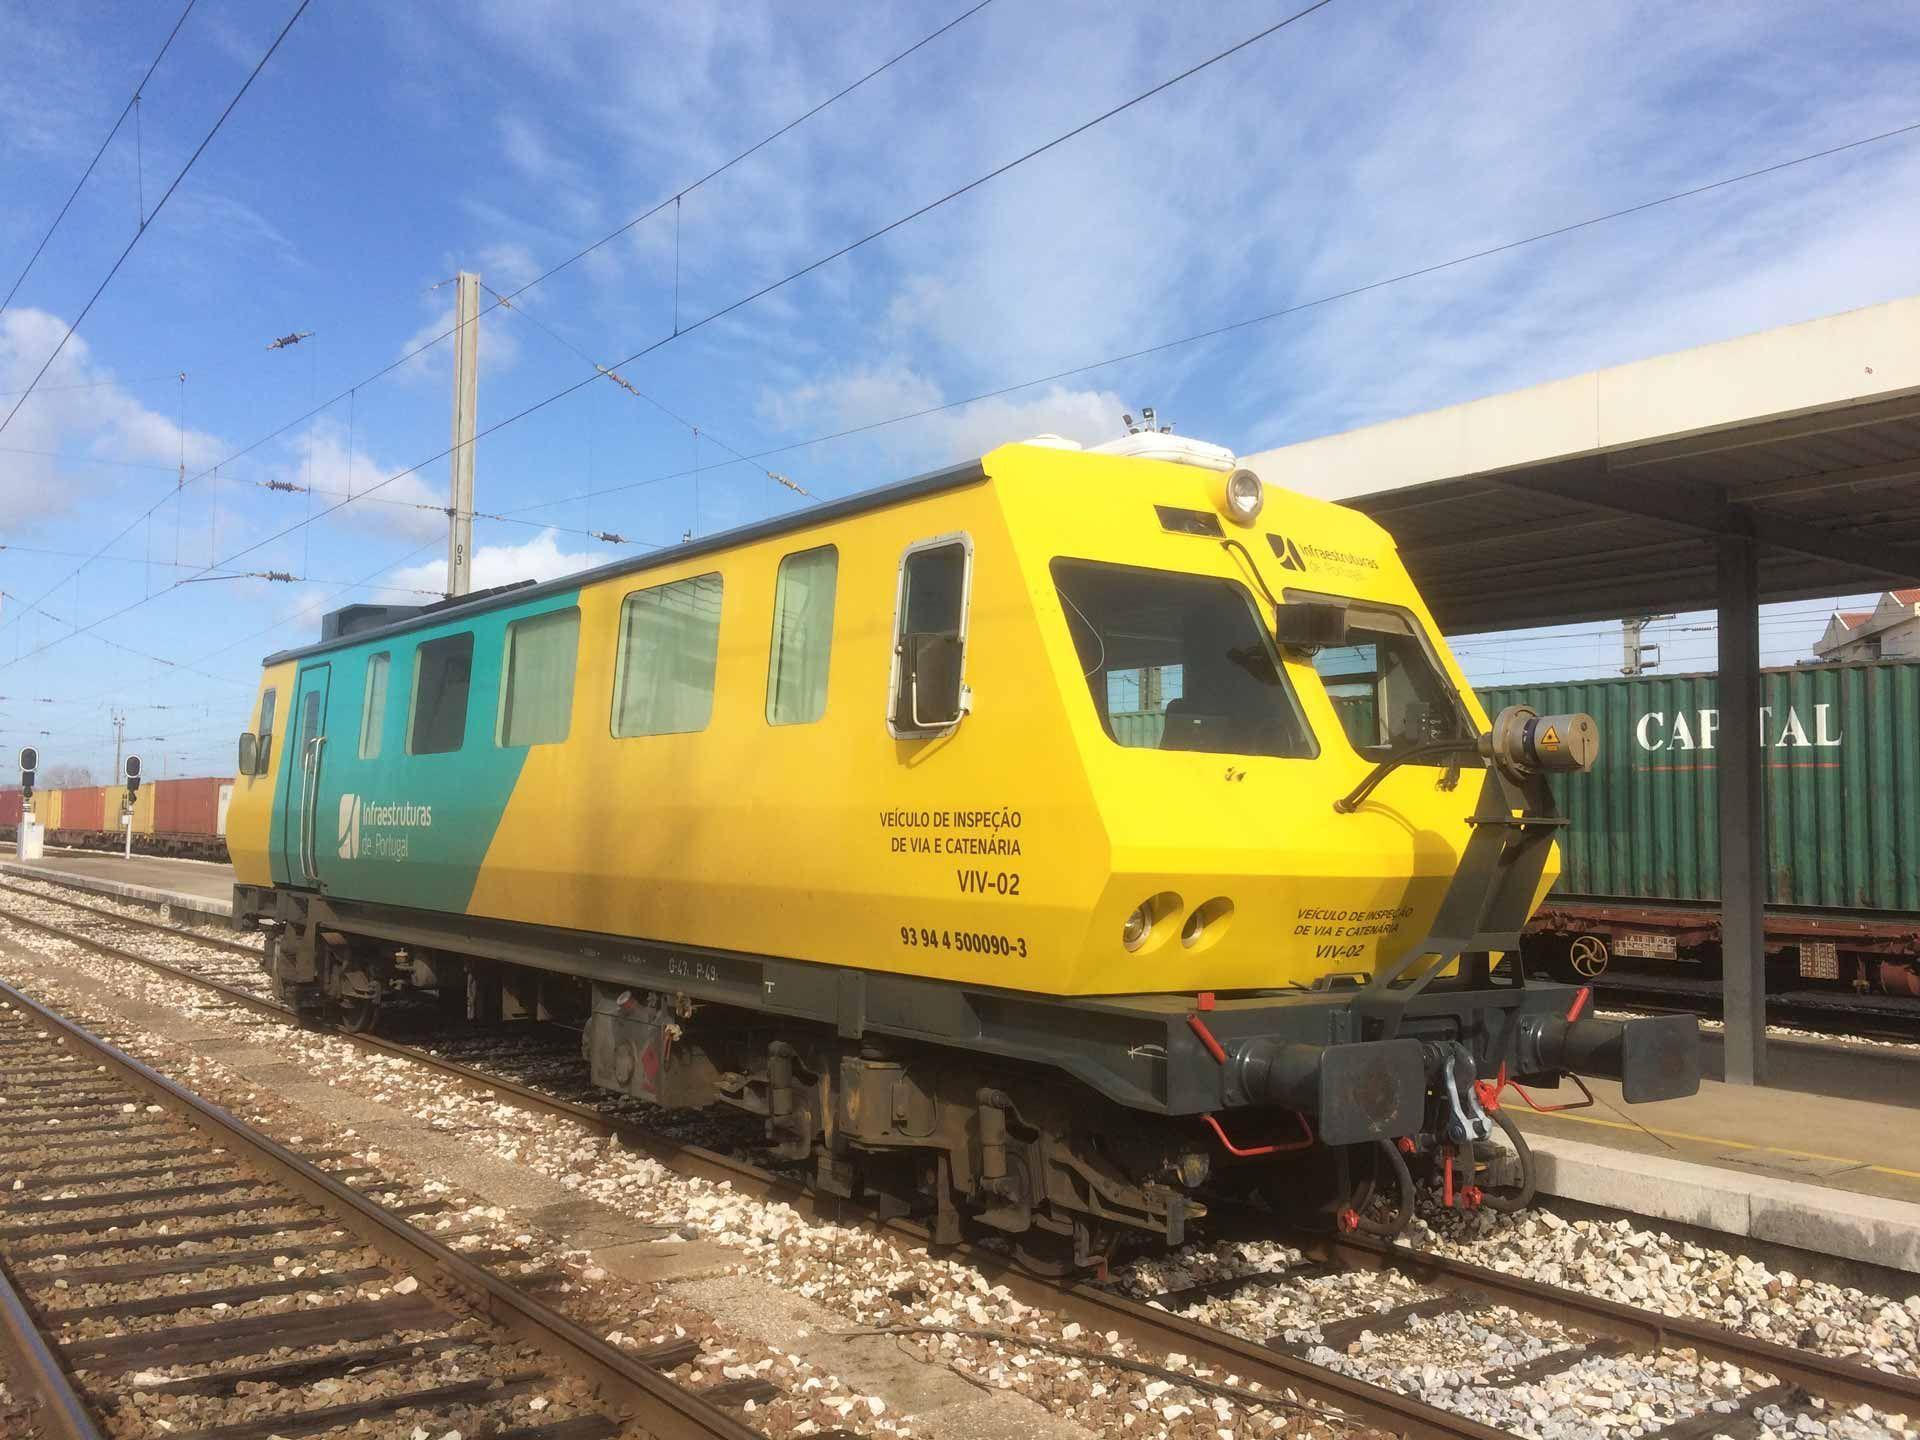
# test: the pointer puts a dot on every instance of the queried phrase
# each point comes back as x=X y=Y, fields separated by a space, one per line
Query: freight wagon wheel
x=358 y=1017
x=1587 y=957
x=1898 y=977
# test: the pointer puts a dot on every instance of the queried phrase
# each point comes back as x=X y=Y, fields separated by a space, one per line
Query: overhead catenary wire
x=1265 y=317
x=847 y=249
x=1196 y=337
x=918 y=212
x=620 y=380
x=577 y=256
x=79 y=185
x=289 y=487
x=158 y=206
x=1160 y=347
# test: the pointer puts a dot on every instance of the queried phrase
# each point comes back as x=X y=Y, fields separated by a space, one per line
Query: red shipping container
x=83 y=809
x=9 y=806
x=186 y=807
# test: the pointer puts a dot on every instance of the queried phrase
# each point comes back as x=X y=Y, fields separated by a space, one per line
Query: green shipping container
x=1842 y=745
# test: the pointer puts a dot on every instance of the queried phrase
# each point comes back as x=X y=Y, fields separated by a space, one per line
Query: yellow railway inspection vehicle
x=1034 y=844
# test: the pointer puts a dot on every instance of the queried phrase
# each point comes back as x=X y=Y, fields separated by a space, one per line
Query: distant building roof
x=1847 y=627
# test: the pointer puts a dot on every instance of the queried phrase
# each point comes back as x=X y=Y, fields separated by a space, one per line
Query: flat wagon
x=1640 y=873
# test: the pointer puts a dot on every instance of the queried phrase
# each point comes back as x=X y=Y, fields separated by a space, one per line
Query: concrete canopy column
x=1743 y=811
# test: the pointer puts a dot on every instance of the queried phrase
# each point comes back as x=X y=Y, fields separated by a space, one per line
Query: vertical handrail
x=309 y=807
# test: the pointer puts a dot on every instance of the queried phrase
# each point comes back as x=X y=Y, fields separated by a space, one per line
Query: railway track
x=1336 y=1293
x=1836 y=1013
x=166 y=1269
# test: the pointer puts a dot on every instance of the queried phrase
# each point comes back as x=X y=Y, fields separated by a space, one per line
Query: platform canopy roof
x=1602 y=495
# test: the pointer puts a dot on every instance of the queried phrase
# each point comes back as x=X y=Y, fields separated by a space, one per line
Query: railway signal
x=126 y=808
x=27 y=842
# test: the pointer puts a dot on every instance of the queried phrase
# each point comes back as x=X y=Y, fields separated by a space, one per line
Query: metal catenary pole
x=466 y=395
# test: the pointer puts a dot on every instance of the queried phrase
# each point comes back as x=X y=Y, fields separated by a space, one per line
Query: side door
x=306 y=752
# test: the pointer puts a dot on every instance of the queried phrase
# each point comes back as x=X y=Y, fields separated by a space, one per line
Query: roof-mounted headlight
x=1245 y=496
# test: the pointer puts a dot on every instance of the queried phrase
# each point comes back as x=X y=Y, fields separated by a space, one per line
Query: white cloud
x=499 y=345
x=412 y=507
x=539 y=558
x=856 y=398
x=79 y=409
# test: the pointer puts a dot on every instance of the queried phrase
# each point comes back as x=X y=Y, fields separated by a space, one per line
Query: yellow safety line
x=1727 y=1144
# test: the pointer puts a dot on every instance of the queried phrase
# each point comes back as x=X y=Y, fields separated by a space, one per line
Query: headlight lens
x=1139 y=925
x=1245 y=496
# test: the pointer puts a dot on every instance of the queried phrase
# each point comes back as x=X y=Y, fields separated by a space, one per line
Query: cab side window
x=930 y=636
x=442 y=676
x=264 y=754
x=373 y=705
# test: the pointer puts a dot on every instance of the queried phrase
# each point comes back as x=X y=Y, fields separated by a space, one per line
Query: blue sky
x=385 y=147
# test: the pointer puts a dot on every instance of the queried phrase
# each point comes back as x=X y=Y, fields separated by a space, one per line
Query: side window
x=669 y=641
x=310 y=719
x=1387 y=688
x=264 y=761
x=442 y=675
x=930 y=636
x=802 y=636
x=373 y=705
x=536 y=693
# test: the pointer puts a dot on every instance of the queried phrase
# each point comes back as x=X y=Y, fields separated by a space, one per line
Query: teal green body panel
x=1842 y=748
x=397 y=828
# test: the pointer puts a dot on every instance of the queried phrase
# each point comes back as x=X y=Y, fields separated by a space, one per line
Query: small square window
x=536 y=695
x=442 y=676
x=669 y=645
x=802 y=637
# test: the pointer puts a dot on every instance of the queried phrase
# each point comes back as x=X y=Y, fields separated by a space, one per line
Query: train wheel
x=1587 y=956
x=359 y=1016
x=1043 y=1253
x=1899 y=977
x=1504 y=1172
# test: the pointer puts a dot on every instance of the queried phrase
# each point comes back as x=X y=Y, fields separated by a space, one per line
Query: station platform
x=1839 y=1176
x=194 y=891
x=1826 y=1159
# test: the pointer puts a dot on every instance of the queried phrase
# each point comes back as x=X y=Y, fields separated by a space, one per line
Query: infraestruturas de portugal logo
x=349 y=827
x=367 y=827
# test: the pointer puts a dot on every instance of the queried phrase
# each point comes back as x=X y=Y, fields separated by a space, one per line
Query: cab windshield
x=1387 y=689
x=1178 y=662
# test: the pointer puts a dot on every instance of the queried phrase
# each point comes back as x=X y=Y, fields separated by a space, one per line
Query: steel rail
x=181 y=932
x=1098 y=1309
x=1841 y=1382
x=666 y=1410
x=35 y=1370
x=1897 y=1021
x=1837 y=1380
x=259 y=1003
